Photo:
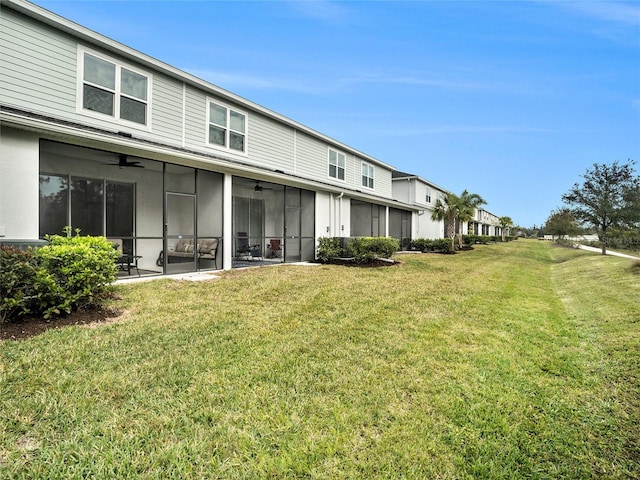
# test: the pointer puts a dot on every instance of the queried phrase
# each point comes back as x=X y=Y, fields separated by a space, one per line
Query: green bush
x=421 y=244
x=17 y=282
x=329 y=249
x=76 y=269
x=438 y=245
x=368 y=249
x=68 y=273
x=473 y=239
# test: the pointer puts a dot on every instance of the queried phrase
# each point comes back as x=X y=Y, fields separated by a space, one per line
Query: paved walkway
x=198 y=276
x=609 y=252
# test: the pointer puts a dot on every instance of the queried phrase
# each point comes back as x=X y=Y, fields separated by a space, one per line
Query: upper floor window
x=112 y=89
x=367 y=175
x=428 y=195
x=336 y=164
x=227 y=127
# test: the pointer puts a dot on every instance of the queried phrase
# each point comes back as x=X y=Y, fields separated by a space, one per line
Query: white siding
x=402 y=190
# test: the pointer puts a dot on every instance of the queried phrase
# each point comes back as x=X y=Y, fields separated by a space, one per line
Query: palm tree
x=466 y=208
x=505 y=224
x=445 y=209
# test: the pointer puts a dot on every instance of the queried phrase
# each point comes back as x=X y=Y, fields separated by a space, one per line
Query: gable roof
x=398 y=175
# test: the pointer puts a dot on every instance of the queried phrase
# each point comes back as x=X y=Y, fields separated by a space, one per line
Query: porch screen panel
x=120 y=209
x=54 y=204
x=248 y=216
x=240 y=215
x=375 y=221
x=308 y=223
x=256 y=229
x=209 y=187
x=120 y=213
x=87 y=197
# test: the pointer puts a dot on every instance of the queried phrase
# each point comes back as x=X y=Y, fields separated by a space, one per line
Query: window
x=96 y=207
x=227 y=127
x=428 y=195
x=111 y=89
x=336 y=164
x=367 y=175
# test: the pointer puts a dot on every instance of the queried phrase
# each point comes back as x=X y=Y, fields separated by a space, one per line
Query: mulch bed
x=30 y=326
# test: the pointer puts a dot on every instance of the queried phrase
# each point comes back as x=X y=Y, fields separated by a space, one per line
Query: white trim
x=115 y=118
x=227 y=149
x=370 y=169
x=344 y=168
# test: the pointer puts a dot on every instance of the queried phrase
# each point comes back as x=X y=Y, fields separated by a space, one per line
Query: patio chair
x=125 y=261
x=243 y=249
x=276 y=248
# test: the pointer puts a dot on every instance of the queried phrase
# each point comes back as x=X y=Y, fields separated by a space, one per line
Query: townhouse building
x=109 y=141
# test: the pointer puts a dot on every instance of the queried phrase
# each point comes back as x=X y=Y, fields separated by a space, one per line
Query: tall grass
x=515 y=360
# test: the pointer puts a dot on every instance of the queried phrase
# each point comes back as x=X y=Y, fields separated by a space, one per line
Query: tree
x=607 y=198
x=466 y=208
x=445 y=209
x=505 y=224
x=454 y=208
x=561 y=223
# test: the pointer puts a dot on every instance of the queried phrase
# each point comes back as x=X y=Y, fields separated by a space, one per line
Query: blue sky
x=510 y=100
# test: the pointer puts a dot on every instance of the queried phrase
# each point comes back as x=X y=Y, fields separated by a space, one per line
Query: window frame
x=370 y=176
x=117 y=91
x=229 y=130
x=70 y=202
x=428 y=195
x=338 y=154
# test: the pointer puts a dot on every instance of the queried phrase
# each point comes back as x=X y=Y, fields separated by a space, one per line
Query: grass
x=516 y=360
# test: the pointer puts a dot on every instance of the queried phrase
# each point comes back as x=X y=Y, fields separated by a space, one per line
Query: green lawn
x=518 y=360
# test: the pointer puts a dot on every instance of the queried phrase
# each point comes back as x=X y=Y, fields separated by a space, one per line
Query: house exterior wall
x=403 y=190
x=19 y=186
x=41 y=79
x=40 y=54
x=40 y=68
x=413 y=190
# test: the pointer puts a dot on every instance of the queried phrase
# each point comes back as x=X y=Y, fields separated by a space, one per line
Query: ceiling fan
x=123 y=163
x=259 y=188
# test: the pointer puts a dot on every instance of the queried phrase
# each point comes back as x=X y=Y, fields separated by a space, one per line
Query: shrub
x=439 y=245
x=471 y=239
x=17 y=282
x=329 y=249
x=75 y=270
x=368 y=249
x=421 y=244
